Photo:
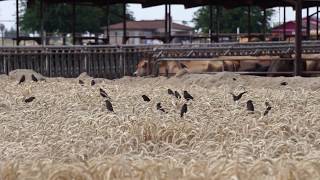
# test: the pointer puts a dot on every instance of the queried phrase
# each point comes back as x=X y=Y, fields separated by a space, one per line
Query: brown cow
x=228 y=63
x=196 y=66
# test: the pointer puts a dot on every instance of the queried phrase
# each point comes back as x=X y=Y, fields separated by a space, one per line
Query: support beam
x=308 y=24
x=264 y=24
x=284 y=24
x=43 y=41
x=108 y=23
x=166 y=24
x=217 y=23
x=298 y=64
x=317 y=22
x=249 y=23
x=170 y=23
x=211 y=23
x=17 y=23
x=124 y=15
x=74 y=22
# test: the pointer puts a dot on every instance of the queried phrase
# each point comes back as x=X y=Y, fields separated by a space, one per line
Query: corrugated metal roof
x=191 y=3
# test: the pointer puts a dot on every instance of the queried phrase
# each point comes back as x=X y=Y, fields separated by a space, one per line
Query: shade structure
x=192 y=3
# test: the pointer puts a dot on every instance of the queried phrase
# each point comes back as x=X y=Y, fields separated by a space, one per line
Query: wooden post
x=284 y=23
x=298 y=64
x=308 y=25
x=264 y=23
x=74 y=22
x=211 y=23
x=124 y=11
x=17 y=23
x=249 y=23
x=217 y=23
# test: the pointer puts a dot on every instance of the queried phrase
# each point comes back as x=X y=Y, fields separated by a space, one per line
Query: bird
x=159 y=107
x=22 y=79
x=284 y=83
x=145 y=98
x=93 y=82
x=34 y=78
x=234 y=79
x=81 y=82
x=177 y=95
x=268 y=108
x=109 y=106
x=170 y=92
x=30 y=99
x=103 y=93
x=250 y=106
x=238 y=97
x=187 y=96
x=184 y=110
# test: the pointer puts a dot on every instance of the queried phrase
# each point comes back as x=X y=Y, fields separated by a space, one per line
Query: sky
x=7 y=13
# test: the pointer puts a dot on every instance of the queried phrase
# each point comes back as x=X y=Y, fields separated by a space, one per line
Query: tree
x=231 y=19
x=58 y=18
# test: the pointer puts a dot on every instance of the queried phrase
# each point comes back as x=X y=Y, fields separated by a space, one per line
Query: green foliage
x=231 y=19
x=58 y=18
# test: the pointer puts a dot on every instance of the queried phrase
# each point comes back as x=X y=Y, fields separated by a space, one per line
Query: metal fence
x=70 y=61
x=116 y=61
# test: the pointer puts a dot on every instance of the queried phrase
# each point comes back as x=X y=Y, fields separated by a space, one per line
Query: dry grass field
x=67 y=132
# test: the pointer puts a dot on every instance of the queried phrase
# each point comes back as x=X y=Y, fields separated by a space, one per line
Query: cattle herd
x=226 y=63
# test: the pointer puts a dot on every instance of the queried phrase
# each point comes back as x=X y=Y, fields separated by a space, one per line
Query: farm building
x=146 y=32
x=278 y=31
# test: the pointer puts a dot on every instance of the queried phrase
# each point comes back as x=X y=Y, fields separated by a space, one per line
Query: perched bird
x=184 y=110
x=250 y=106
x=34 y=78
x=159 y=107
x=234 y=79
x=268 y=109
x=109 y=105
x=284 y=83
x=93 y=82
x=103 y=93
x=177 y=95
x=30 y=99
x=238 y=97
x=81 y=82
x=170 y=92
x=187 y=96
x=145 y=98
x=22 y=79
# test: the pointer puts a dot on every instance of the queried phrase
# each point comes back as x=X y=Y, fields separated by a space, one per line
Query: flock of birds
x=186 y=95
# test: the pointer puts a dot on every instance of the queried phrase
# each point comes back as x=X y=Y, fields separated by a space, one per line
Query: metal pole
x=166 y=24
x=17 y=23
x=217 y=23
x=298 y=64
x=317 y=22
x=170 y=23
x=73 y=22
x=211 y=23
x=249 y=23
x=108 y=23
x=284 y=23
x=308 y=25
x=42 y=22
x=124 y=11
x=264 y=24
